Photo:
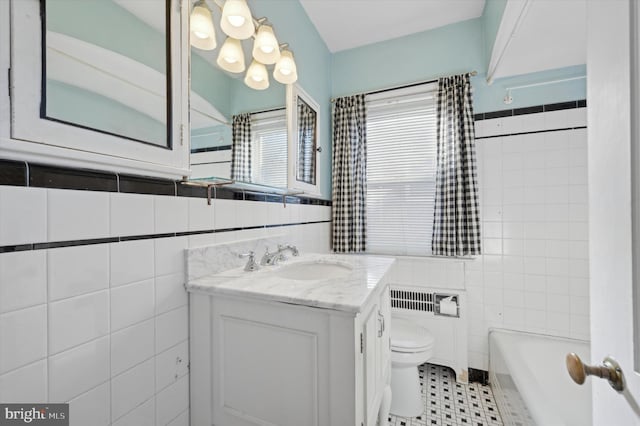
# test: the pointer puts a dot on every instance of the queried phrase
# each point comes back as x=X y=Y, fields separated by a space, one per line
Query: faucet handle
x=251 y=263
x=294 y=250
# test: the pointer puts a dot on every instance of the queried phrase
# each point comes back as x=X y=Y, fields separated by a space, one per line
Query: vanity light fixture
x=237 y=21
x=202 y=33
x=231 y=56
x=265 y=46
x=286 y=71
x=257 y=76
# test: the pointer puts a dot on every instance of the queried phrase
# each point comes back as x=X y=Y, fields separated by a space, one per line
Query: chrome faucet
x=251 y=265
x=270 y=259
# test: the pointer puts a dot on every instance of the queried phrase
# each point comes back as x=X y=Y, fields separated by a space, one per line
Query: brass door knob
x=610 y=370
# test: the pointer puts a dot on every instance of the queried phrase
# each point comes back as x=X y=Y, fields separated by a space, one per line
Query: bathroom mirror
x=105 y=67
x=303 y=112
x=218 y=100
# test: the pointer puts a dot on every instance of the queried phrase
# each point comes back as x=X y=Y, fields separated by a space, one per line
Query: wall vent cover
x=412 y=300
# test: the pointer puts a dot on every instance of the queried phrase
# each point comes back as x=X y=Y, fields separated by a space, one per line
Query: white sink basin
x=314 y=270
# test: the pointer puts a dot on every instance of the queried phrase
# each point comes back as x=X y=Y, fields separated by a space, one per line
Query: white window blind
x=401 y=162
x=269 y=148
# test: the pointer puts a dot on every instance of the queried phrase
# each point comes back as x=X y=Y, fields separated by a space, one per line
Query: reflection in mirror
x=304 y=161
x=307 y=124
x=259 y=149
x=218 y=98
x=106 y=67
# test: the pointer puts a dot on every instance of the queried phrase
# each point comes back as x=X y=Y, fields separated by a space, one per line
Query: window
x=401 y=170
x=269 y=148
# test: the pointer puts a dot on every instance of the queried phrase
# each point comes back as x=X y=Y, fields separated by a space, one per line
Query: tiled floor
x=451 y=404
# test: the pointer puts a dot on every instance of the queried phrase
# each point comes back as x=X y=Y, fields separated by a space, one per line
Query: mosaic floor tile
x=448 y=403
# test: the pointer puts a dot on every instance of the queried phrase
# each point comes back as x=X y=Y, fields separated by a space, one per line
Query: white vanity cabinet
x=265 y=362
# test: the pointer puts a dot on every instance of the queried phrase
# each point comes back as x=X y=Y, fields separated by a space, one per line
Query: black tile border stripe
x=142 y=185
x=211 y=149
x=21 y=173
x=43 y=176
x=13 y=173
x=581 y=103
x=76 y=243
x=530 y=133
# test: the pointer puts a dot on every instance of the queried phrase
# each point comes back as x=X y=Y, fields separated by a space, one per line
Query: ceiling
x=345 y=24
x=552 y=34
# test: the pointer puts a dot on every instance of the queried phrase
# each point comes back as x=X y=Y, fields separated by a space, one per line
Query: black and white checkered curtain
x=349 y=174
x=306 y=147
x=241 y=148
x=456 y=221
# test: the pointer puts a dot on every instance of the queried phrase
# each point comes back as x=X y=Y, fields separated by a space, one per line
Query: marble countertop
x=349 y=293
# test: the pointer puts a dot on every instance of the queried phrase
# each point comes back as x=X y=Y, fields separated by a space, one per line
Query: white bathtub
x=530 y=382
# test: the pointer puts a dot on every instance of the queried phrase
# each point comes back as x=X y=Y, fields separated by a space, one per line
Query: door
x=612 y=75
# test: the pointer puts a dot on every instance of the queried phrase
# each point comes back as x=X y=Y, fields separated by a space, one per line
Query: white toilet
x=411 y=345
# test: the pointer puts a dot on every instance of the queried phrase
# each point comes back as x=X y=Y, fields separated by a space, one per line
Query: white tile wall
x=23 y=280
x=428 y=272
x=143 y=415
x=534 y=274
x=92 y=408
x=105 y=326
x=171 y=214
x=131 y=261
x=73 y=271
x=77 y=215
x=77 y=320
x=23 y=215
x=131 y=304
x=132 y=214
x=132 y=346
x=27 y=383
x=132 y=388
x=78 y=370
x=23 y=336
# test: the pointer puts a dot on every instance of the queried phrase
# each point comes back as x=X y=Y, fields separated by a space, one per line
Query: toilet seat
x=408 y=337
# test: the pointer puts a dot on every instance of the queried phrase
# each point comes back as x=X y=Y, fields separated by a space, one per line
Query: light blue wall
x=453 y=49
x=490 y=98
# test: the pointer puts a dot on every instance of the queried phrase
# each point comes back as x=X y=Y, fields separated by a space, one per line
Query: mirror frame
x=294 y=91
x=168 y=140
x=47 y=141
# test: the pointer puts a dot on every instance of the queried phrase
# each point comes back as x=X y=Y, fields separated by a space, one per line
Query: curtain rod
x=387 y=89
x=264 y=111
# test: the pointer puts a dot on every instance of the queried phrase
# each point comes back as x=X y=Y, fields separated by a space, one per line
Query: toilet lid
x=407 y=336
